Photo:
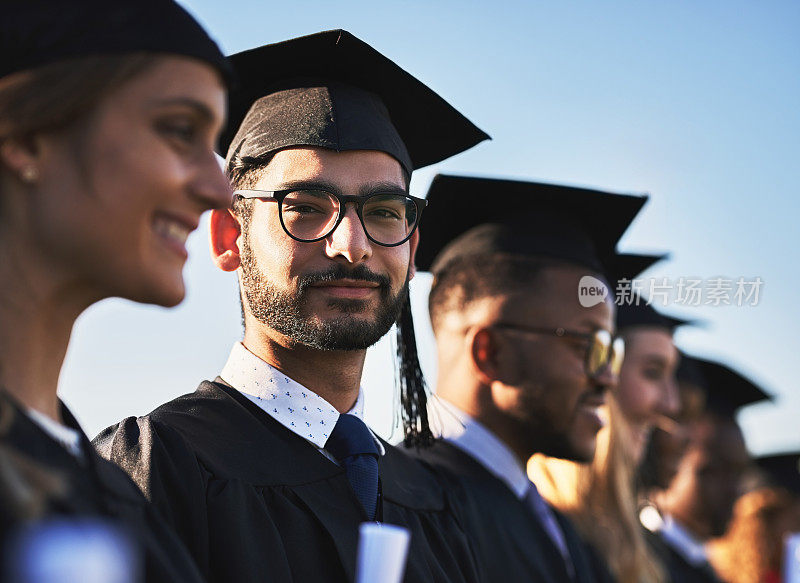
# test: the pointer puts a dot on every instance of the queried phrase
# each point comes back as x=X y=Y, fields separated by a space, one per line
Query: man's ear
x=483 y=348
x=224 y=230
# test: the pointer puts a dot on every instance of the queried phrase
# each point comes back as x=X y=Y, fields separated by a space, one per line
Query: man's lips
x=590 y=407
x=347 y=288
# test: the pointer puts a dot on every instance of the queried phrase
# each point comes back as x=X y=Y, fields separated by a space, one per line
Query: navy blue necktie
x=550 y=524
x=353 y=445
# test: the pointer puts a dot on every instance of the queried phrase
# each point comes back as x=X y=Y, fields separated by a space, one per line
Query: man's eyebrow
x=593 y=326
x=200 y=108
x=322 y=184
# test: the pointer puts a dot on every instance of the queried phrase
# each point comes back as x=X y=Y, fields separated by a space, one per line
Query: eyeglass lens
x=312 y=214
x=605 y=351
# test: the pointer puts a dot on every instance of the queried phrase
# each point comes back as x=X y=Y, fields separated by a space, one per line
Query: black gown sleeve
x=168 y=474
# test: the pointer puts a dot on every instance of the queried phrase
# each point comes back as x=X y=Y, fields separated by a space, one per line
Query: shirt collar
x=291 y=404
x=464 y=432
x=675 y=535
x=66 y=436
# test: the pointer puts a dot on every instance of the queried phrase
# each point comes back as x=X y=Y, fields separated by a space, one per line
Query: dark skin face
x=708 y=481
x=669 y=440
x=541 y=397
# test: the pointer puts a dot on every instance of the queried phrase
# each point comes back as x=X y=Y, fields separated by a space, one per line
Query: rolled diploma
x=382 y=553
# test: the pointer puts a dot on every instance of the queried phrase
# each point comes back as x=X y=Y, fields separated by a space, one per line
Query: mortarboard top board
x=334 y=91
x=469 y=216
x=628 y=266
x=40 y=32
x=728 y=390
x=638 y=313
x=622 y=269
x=782 y=470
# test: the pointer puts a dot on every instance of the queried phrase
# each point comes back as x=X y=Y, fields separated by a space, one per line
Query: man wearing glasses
x=267 y=472
x=526 y=354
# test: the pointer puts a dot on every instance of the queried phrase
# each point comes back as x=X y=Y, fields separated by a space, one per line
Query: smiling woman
x=106 y=164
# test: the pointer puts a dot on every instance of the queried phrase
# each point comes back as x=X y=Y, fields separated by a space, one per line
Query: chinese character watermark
x=684 y=291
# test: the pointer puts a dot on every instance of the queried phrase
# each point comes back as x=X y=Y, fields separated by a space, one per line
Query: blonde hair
x=752 y=546
x=601 y=500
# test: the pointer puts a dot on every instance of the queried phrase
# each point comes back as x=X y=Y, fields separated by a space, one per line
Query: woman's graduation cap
x=334 y=91
x=469 y=216
x=39 y=32
x=639 y=313
x=632 y=309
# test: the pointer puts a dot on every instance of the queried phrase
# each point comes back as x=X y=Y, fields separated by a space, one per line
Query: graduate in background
x=523 y=366
x=698 y=503
x=753 y=549
x=268 y=470
x=601 y=497
x=109 y=114
x=670 y=438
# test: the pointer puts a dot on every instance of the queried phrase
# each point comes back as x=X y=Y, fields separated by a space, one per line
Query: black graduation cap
x=334 y=91
x=638 y=313
x=782 y=470
x=628 y=266
x=728 y=390
x=689 y=370
x=468 y=216
x=632 y=309
x=38 y=32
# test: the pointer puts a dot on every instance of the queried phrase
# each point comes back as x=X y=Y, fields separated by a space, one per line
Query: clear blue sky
x=696 y=103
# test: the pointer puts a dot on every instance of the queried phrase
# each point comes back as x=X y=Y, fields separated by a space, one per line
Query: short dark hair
x=469 y=279
x=245 y=172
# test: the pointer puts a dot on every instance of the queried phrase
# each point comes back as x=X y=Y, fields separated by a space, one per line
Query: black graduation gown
x=255 y=502
x=94 y=488
x=678 y=568
x=509 y=541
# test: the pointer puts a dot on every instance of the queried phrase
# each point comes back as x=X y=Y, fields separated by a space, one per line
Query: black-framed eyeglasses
x=311 y=214
x=604 y=350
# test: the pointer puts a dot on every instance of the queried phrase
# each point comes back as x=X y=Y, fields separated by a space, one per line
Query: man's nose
x=348 y=239
x=605 y=378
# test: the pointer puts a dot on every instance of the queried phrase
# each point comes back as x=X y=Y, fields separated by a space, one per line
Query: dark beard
x=285 y=312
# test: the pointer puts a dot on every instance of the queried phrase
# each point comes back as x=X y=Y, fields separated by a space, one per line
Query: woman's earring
x=30 y=174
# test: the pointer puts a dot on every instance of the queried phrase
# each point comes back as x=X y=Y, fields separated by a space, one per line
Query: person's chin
x=167 y=290
x=350 y=310
x=640 y=435
x=584 y=453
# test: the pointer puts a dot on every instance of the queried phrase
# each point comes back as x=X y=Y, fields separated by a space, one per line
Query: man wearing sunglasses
x=267 y=472
x=526 y=353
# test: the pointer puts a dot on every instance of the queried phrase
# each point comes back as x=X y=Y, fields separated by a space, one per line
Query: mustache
x=358 y=273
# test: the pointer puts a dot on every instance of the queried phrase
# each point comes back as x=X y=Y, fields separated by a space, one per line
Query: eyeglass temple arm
x=248 y=193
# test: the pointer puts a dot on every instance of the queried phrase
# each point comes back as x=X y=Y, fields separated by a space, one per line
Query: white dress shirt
x=66 y=436
x=297 y=408
x=469 y=435
x=472 y=437
x=675 y=535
